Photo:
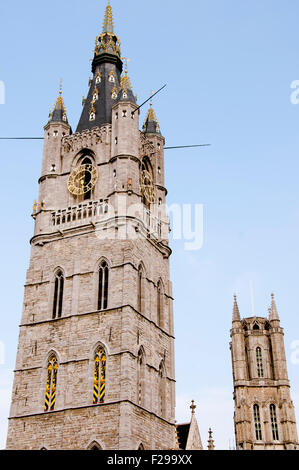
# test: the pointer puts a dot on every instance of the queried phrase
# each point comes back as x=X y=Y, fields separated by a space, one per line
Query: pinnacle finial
x=273 y=313
x=236 y=312
x=193 y=407
x=211 y=445
x=108 y=19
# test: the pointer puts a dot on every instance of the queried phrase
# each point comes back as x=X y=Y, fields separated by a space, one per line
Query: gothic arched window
x=159 y=304
x=162 y=391
x=87 y=177
x=140 y=376
x=103 y=286
x=99 y=376
x=257 y=422
x=147 y=183
x=274 y=424
x=247 y=363
x=259 y=362
x=94 y=446
x=51 y=383
x=58 y=295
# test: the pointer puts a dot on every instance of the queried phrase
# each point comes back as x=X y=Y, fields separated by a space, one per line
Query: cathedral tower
x=264 y=413
x=95 y=360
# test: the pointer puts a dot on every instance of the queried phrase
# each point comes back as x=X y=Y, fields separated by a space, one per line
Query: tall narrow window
x=87 y=177
x=274 y=424
x=140 y=290
x=257 y=422
x=247 y=363
x=58 y=295
x=99 y=376
x=162 y=384
x=140 y=377
x=259 y=362
x=51 y=384
x=159 y=304
x=103 y=286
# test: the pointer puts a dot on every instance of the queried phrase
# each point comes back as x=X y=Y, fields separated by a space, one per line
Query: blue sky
x=228 y=68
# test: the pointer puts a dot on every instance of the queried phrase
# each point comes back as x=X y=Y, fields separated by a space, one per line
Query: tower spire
x=108 y=20
x=151 y=124
x=236 y=313
x=273 y=313
x=59 y=112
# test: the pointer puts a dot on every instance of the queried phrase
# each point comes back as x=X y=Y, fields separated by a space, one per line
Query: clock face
x=82 y=179
x=147 y=187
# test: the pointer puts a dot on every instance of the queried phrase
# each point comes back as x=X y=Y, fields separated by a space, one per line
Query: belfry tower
x=95 y=360
x=264 y=413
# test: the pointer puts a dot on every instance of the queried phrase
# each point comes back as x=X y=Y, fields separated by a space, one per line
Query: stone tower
x=95 y=359
x=264 y=413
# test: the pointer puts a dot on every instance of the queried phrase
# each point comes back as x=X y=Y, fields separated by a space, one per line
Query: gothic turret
x=107 y=86
x=56 y=128
x=59 y=112
x=151 y=124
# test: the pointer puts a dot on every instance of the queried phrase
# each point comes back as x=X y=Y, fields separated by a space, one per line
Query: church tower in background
x=264 y=413
x=95 y=359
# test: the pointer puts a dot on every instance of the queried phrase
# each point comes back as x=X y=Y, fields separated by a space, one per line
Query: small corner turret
x=151 y=124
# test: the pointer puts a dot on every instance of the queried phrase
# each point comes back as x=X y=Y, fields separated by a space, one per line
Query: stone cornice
x=96 y=312
x=85 y=229
x=118 y=402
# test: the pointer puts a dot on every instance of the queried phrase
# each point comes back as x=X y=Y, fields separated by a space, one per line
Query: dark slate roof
x=151 y=124
x=183 y=433
x=59 y=112
x=107 y=60
x=103 y=106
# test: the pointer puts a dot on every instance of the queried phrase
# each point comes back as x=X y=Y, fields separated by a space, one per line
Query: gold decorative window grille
x=51 y=385
x=99 y=377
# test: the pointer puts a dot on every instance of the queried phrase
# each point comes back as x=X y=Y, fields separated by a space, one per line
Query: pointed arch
x=84 y=157
x=99 y=377
x=141 y=447
x=94 y=445
x=51 y=382
x=162 y=390
x=141 y=376
x=59 y=282
x=103 y=285
x=84 y=153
